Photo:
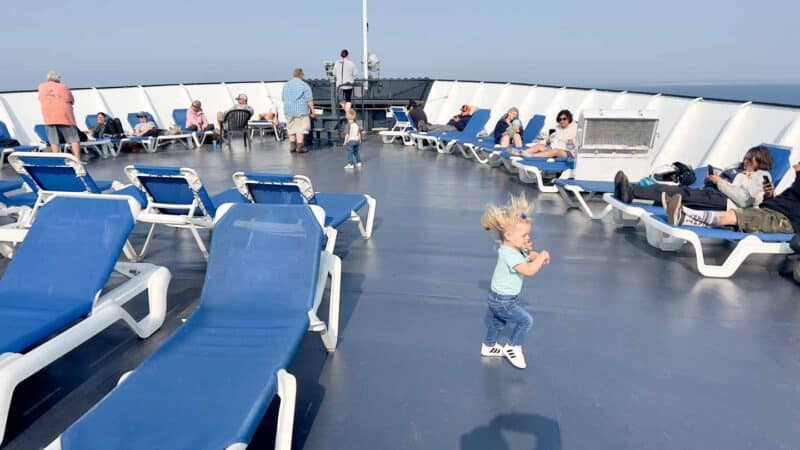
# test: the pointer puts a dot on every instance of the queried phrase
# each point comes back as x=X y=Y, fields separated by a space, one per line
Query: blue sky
x=588 y=43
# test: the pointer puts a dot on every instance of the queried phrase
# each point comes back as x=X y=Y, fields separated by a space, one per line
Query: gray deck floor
x=631 y=348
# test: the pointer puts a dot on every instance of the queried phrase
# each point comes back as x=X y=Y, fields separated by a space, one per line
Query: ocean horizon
x=784 y=93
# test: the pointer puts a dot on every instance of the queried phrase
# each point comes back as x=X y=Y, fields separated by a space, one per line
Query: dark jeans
x=504 y=309
x=708 y=199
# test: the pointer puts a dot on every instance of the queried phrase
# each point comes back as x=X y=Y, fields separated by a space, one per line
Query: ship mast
x=364 y=30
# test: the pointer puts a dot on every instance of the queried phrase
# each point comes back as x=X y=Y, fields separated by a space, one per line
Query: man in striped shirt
x=298 y=105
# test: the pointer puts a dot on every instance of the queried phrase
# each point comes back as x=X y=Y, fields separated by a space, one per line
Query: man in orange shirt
x=56 y=100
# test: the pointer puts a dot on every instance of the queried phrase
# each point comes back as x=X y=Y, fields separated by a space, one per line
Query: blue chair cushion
x=71 y=248
x=210 y=384
x=557 y=165
x=338 y=206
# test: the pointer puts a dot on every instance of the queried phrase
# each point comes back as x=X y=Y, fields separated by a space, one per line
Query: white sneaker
x=358 y=165
x=495 y=350
x=349 y=166
x=515 y=356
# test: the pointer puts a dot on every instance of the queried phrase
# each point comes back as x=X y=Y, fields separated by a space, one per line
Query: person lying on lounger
x=560 y=143
x=777 y=214
x=740 y=187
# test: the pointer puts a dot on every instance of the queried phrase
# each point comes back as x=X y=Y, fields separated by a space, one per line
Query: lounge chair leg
x=199 y=241
x=331 y=234
x=366 y=232
x=6 y=389
x=287 y=391
x=147 y=240
x=330 y=336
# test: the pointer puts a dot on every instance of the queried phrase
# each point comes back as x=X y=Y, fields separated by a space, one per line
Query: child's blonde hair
x=503 y=218
x=351 y=113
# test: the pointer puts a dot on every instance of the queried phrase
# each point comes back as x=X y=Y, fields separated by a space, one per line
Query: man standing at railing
x=344 y=70
x=298 y=105
x=56 y=101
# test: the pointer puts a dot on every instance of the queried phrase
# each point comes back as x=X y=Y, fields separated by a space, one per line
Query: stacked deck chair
x=185 y=138
x=445 y=141
x=629 y=214
x=175 y=197
x=485 y=151
x=51 y=294
x=5 y=136
x=102 y=147
x=272 y=188
x=209 y=385
x=670 y=238
x=403 y=127
x=199 y=136
x=118 y=141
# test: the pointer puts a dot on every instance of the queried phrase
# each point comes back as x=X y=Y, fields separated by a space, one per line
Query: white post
x=364 y=30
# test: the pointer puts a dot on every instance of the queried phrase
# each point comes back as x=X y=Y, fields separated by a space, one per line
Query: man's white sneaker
x=358 y=165
x=349 y=166
x=495 y=350
x=515 y=356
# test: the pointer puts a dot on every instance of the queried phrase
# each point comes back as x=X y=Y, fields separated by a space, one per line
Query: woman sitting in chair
x=509 y=129
x=561 y=141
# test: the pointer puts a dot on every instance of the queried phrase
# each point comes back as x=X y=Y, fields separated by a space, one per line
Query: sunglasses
x=561 y=119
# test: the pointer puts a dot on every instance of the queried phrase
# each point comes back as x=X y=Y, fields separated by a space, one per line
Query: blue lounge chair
x=102 y=147
x=532 y=170
x=403 y=126
x=209 y=385
x=629 y=214
x=4 y=136
x=199 y=137
x=117 y=142
x=185 y=138
x=175 y=197
x=485 y=151
x=444 y=142
x=271 y=188
x=72 y=248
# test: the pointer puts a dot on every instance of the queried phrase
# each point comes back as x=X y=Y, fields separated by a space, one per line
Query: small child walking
x=515 y=259
x=352 y=138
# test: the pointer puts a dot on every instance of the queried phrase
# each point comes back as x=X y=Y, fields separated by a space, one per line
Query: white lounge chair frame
x=533 y=175
x=303 y=183
x=106 y=310
x=187 y=221
x=574 y=198
x=669 y=238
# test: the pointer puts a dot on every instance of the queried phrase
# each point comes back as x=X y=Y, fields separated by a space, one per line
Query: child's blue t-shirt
x=506 y=280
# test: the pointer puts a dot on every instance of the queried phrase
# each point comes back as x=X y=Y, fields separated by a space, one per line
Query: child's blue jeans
x=352 y=152
x=502 y=310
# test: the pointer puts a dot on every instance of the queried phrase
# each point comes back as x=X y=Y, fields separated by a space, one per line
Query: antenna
x=364 y=50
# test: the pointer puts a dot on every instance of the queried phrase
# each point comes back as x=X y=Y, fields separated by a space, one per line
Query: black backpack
x=114 y=127
x=681 y=174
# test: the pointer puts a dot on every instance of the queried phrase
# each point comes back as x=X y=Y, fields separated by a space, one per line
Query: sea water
x=784 y=93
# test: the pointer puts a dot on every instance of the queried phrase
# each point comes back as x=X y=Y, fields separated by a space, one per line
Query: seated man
x=145 y=127
x=99 y=127
x=419 y=116
x=740 y=187
x=241 y=103
x=777 y=214
x=196 y=119
x=561 y=141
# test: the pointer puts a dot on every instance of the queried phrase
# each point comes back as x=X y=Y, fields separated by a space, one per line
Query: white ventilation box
x=613 y=140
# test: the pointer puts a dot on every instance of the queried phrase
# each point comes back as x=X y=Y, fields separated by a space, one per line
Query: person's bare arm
x=311 y=108
x=534 y=264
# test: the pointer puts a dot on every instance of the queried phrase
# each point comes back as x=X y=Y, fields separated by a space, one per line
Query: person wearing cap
x=241 y=103
x=56 y=101
x=298 y=105
x=344 y=72
x=196 y=119
x=144 y=126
